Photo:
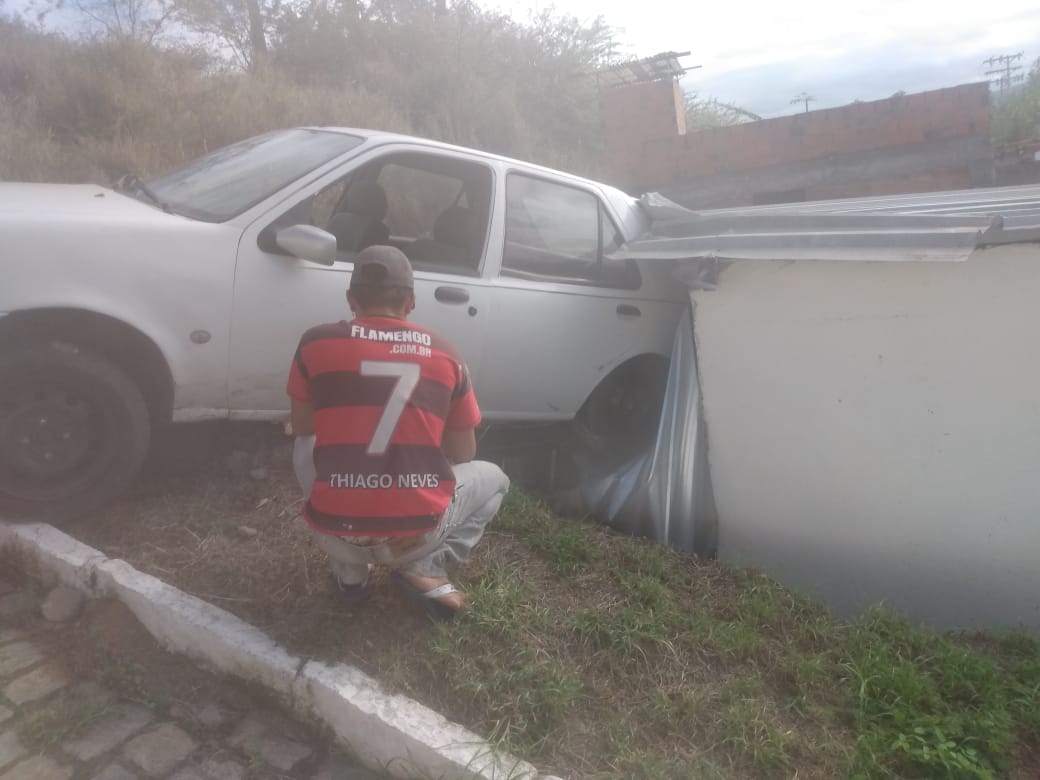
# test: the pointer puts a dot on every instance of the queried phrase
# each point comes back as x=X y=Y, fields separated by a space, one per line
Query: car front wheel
x=619 y=420
x=74 y=431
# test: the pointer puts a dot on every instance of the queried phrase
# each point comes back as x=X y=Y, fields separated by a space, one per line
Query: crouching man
x=384 y=416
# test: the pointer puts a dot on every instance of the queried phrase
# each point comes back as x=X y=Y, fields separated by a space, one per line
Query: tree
x=459 y=72
x=706 y=113
x=241 y=26
x=453 y=71
x=137 y=20
x=1017 y=118
x=803 y=97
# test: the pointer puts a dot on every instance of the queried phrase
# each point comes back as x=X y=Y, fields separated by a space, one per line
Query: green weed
x=494 y=659
x=501 y=604
x=64 y=717
x=527 y=693
x=623 y=631
x=638 y=557
x=131 y=682
x=1021 y=658
x=748 y=727
x=678 y=709
x=565 y=544
x=519 y=511
x=925 y=706
x=737 y=640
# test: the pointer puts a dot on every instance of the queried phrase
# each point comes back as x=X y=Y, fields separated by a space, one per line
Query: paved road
x=53 y=727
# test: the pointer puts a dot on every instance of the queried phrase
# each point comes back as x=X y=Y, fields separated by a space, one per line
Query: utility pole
x=1005 y=67
x=803 y=97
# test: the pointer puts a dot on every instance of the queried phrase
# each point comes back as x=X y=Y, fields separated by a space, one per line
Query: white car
x=183 y=299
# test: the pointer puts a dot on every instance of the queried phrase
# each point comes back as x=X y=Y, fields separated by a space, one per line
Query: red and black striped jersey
x=383 y=391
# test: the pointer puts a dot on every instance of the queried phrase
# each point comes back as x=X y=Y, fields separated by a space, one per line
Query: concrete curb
x=386 y=732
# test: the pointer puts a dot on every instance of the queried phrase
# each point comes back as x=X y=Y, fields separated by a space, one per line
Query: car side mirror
x=307 y=243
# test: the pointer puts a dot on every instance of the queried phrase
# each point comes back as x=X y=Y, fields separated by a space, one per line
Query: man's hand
x=302 y=418
x=459 y=444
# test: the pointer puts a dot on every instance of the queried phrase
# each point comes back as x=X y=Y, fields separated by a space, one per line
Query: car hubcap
x=47 y=433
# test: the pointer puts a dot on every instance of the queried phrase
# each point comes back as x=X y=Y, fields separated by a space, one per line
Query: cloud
x=759 y=53
x=837 y=80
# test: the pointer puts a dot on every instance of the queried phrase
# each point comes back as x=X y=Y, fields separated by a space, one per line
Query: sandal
x=355 y=594
x=427 y=599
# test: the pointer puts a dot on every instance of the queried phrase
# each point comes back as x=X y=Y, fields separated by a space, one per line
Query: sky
x=759 y=54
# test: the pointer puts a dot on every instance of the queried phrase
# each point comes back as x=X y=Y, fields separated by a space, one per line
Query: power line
x=1006 y=68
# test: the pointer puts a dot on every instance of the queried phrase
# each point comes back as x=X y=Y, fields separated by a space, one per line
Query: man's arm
x=302 y=417
x=459 y=444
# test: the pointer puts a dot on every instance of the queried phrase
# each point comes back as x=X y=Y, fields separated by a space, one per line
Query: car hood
x=83 y=233
x=48 y=203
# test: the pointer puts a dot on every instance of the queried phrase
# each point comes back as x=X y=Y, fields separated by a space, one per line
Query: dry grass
x=592 y=654
x=94 y=110
x=88 y=109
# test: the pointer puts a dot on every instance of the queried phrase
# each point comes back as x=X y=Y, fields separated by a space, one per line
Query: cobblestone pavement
x=59 y=724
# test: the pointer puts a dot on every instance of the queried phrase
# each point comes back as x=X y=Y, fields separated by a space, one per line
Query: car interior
x=434 y=209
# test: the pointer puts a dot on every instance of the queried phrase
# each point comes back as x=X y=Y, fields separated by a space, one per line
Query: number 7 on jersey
x=407 y=376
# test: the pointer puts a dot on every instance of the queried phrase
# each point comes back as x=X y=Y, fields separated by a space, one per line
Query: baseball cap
x=382 y=266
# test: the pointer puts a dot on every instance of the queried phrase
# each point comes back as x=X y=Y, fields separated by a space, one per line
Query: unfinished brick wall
x=646 y=154
x=634 y=113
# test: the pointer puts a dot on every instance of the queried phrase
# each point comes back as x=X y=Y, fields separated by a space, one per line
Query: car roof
x=382 y=137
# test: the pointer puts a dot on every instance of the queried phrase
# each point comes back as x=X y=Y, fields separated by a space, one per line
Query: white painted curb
x=386 y=732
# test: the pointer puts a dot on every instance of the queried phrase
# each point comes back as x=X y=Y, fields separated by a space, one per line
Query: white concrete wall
x=874 y=430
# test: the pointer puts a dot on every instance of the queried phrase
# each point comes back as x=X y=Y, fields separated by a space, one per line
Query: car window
x=437 y=209
x=316 y=210
x=325 y=203
x=561 y=233
x=434 y=208
x=226 y=182
x=610 y=237
x=416 y=197
x=547 y=223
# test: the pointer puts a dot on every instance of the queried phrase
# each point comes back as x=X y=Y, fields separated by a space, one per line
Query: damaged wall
x=937 y=140
x=874 y=430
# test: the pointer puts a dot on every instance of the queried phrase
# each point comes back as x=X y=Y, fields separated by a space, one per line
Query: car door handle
x=628 y=310
x=451 y=295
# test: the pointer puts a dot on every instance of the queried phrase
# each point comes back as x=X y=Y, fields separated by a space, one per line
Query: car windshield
x=225 y=183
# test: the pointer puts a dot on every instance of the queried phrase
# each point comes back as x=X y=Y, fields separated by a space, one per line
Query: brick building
x=937 y=140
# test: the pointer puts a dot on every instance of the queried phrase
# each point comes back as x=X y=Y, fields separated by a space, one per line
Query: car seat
x=452 y=242
x=360 y=224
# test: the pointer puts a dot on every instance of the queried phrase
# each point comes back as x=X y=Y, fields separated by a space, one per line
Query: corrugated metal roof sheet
x=1017 y=207
x=659 y=67
x=1021 y=202
x=942 y=226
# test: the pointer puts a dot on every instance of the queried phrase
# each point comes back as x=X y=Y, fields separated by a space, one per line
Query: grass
x=114 y=677
x=794 y=689
x=64 y=717
x=595 y=655
x=498 y=663
x=130 y=680
x=84 y=107
x=927 y=706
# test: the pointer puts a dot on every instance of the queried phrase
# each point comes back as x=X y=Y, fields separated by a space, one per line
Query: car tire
x=620 y=418
x=74 y=432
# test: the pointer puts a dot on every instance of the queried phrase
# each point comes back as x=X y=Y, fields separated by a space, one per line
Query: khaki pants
x=479 y=489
